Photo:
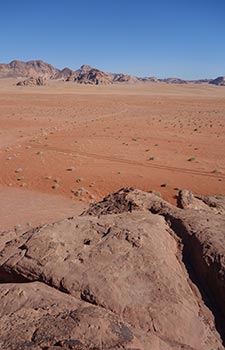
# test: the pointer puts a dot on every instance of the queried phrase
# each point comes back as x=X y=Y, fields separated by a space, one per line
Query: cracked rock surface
x=132 y=272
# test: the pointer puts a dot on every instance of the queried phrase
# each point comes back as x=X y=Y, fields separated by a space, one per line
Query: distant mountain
x=220 y=81
x=84 y=75
x=19 y=69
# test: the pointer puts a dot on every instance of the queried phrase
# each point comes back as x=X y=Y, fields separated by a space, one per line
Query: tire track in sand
x=133 y=162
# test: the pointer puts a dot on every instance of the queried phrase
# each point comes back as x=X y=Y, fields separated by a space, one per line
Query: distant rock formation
x=19 y=69
x=132 y=272
x=124 y=78
x=199 y=81
x=89 y=75
x=173 y=81
x=40 y=81
x=85 y=74
x=220 y=81
x=149 y=79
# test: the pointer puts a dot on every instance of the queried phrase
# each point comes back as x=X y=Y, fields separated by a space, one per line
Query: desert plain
x=65 y=145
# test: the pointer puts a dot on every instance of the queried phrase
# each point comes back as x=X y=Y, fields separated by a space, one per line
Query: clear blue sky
x=164 y=38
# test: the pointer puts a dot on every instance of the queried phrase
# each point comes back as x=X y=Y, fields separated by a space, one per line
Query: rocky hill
x=19 y=69
x=132 y=272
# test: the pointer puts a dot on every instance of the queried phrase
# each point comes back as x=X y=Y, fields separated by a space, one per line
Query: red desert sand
x=63 y=146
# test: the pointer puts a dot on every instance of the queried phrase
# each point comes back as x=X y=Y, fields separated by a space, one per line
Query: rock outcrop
x=132 y=272
x=32 y=82
x=124 y=78
x=88 y=75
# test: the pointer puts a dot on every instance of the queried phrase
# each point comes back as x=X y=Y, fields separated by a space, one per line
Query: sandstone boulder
x=127 y=263
x=133 y=272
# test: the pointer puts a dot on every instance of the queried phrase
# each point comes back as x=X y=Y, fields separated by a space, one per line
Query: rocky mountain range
x=133 y=272
x=84 y=75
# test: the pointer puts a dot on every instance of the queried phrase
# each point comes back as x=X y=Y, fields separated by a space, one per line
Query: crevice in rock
x=199 y=273
x=11 y=277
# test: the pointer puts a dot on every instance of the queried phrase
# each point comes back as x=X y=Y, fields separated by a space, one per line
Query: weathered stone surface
x=126 y=200
x=148 y=276
x=187 y=200
x=201 y=227
x=216 y=203
x=129 y=264
x=35 y=316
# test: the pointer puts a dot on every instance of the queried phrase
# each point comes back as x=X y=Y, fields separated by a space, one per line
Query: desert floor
x=64 y=137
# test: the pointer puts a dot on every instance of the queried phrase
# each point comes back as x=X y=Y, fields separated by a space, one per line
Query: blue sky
x=163 y=38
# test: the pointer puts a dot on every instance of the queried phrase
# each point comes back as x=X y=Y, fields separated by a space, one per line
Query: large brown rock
x=215 y=204
x=127 y=267
x=133 y=272
x=200 y=225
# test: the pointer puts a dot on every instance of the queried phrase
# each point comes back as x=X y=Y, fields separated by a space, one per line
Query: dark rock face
x=220 y=81
x=133 y=272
